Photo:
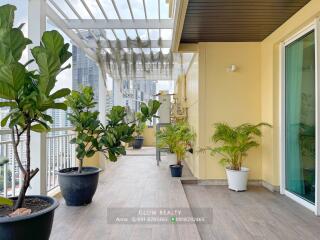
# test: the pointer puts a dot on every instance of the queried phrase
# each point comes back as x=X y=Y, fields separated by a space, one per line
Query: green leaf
x=112 y=156
x=5 y=54
x=144 y=109
x=8 y=104
x=60 y=93
x=7 y=91
x=7 y=16
x=90 y=153
x=6 y=201
x=40 y=128
x=65 y=54
x=13 y=74
x=61 y=106
x=49 y=66
x=15 y=41
x=53 y=41
x=5 y=120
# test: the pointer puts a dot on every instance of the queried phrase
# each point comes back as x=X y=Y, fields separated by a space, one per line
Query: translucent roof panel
x=63 y=6
x=120 y=34
x=78 y=5
x=94 y=8
x=137 y=9
x=123 y=8
x=108 y=8
x=152 y=9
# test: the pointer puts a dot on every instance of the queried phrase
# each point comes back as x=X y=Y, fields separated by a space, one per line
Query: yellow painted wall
x=149 y=137
x=232 y=97
x=270 y=82
x=192 y=93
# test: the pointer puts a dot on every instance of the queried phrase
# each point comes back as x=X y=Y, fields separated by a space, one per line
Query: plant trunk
x=26 y=179
x=22 y=193
x=80 y=165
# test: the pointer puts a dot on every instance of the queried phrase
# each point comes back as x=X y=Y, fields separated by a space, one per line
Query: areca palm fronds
x=177 y=137
x=236 y=142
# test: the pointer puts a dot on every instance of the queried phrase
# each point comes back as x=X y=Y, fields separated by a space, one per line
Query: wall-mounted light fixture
x=232 y=68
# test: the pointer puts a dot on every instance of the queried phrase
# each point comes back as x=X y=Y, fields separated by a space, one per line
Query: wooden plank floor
x=256 y=214
x=133 y=181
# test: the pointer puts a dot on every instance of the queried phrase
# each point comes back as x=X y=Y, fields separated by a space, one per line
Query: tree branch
x=15 y=150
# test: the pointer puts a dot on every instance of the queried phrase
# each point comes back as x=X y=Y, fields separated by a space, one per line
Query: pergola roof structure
x=142 y=28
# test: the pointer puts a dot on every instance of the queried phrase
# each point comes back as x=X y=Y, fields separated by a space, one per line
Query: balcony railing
x=60 y=154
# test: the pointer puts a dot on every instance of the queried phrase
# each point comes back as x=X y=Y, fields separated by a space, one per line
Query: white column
x=117 y=96
x=36 y=27
x=102 y=110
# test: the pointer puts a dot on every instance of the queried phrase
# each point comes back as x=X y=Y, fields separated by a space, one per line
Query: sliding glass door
x=300 y=111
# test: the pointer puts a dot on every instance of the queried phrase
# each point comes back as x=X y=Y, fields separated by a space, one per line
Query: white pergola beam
x=105 y=44
x=54 y=17
x=119 y=24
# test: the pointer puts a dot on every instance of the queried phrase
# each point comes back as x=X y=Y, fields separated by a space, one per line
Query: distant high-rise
x=85 y=72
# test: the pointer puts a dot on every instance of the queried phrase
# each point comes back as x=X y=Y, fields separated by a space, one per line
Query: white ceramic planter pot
x=172 y=158
x=237 y=180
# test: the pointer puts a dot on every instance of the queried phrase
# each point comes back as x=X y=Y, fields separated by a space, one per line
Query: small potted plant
x=28 y=94
x=235 y=144
x=167 y=138
x=138 y=132
x=78 y=184
x=178 y=138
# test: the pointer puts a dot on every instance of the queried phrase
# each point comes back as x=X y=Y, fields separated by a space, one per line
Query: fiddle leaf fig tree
x=92 y=135
x=28 y=92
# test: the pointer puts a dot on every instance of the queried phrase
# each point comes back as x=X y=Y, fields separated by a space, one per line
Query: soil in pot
x=176 y=170
x=34 y=204
x=35 y=226
x=78 y=189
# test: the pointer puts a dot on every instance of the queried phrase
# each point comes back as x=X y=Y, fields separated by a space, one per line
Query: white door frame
x=314 y=26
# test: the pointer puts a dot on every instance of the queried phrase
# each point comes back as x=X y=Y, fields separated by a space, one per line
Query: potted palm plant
x=178 y=138
x=28 y=94
x=167 y=138
x=79 y=184
x=138 y=131
x=235 y=145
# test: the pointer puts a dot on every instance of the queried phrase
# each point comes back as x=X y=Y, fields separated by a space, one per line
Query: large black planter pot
x=176 y=170
x=35 y=226
x=78 y=188
x=137 y=142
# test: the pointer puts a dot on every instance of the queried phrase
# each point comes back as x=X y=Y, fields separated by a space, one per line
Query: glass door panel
x=300 y=117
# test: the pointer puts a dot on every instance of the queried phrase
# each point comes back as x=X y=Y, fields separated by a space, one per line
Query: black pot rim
x=75 y=174
x=139 y=137
x=54 y=205
x=176 y=166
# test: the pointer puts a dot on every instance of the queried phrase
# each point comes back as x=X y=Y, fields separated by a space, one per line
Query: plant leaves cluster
x=28 y=93
x=177 y=137
x=235 y=142
x=92 y=135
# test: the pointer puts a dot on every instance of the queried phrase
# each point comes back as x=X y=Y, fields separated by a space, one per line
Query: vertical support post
x=117 y=96
x=36 y=27
x=102 y=110
x=317 y=86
